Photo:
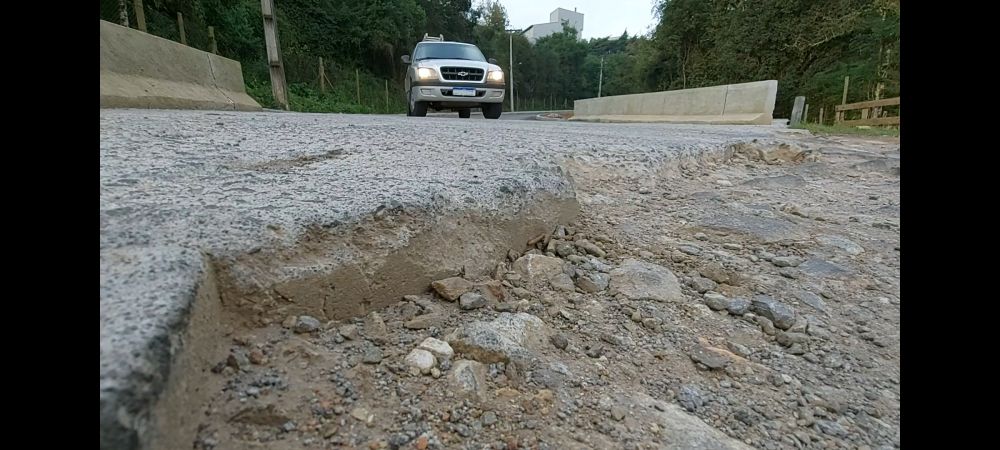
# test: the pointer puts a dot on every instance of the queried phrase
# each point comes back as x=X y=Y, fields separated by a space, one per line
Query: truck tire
x=492 y=110
x=415 y=109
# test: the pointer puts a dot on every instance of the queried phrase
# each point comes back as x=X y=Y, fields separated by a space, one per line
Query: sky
x=601 y=18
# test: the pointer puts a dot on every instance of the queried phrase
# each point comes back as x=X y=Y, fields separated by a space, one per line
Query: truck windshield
x=448 y=51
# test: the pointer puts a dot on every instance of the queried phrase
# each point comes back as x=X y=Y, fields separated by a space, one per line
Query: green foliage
x=808 y=46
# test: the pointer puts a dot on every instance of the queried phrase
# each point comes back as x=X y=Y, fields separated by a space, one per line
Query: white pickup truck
x=455 y=76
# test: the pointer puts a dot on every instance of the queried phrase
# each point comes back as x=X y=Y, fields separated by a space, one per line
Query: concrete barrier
x=139 y=70
x=745 y=103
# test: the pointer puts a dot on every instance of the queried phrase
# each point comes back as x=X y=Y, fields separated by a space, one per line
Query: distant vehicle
x=454 y=76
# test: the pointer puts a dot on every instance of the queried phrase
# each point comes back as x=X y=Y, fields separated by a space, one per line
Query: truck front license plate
x=464 y=92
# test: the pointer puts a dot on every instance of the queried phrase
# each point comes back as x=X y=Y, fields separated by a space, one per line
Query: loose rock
x=349 y=332
x=238 y=359
x=590 y=247
x=372 y=355
x=689 y=250
x=703 y=285
x=716 y=301
x=439 y=348
x=562 y=282
x=782 y=315
x=451 y=289
x=559 y=341
x=537 y=269
x=469 y=376
x=690 y=398
x=788 y=338
x=306 y=324
x=640 y=280
x=786 y=261
x=708 y=357
x=738 y=306
x=593 y=282
x=425 y=321
x=421 y=359
x=471 y=300
x=509 y=337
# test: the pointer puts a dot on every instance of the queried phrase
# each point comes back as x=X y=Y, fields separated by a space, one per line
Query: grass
x=306 y=98
x=816 y=128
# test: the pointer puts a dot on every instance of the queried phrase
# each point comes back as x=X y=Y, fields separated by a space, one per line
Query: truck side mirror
x=493 y=61
x=406 y=59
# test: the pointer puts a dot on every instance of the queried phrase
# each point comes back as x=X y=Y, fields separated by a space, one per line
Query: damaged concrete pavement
x=322 y=281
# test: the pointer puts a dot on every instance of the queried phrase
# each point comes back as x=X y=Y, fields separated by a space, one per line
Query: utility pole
x=600 y=79
x=278 y=87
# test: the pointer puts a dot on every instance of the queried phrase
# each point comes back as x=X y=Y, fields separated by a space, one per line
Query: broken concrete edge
x=140 y=70
x=744 y=103
x=147 y=393
x=136 y=368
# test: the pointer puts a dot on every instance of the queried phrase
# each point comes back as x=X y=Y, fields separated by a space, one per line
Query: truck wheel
x=465 y=113
x=492 y=110
x=414 y=108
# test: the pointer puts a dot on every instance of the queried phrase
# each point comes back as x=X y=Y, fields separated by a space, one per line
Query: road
x=179 y=185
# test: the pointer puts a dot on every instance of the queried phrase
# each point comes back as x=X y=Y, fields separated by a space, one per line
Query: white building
x=555 y=24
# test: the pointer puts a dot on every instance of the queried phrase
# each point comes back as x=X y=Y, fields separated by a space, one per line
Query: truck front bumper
x=444 y=95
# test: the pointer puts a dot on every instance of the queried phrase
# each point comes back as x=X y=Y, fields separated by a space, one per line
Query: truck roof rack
x=428 y=37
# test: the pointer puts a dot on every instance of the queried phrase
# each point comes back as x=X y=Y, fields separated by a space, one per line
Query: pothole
x=236 y=354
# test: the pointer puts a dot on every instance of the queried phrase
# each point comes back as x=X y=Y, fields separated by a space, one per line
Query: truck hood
x=436 y=63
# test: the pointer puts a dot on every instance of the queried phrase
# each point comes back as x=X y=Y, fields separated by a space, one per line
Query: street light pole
x=511 y=51
x=600 y=79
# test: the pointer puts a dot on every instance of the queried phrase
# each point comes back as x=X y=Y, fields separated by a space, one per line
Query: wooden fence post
x=805 y=114
x=321 y=70
x=847 y=82
x=386 y=95
x=797 y=107
x=821 y=116
x=180 y=27
x=877 y=111
x=357 y=84
x=140 y=15
x=212 y=45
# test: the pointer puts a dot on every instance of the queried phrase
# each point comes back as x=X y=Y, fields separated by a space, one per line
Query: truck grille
x=462 y=73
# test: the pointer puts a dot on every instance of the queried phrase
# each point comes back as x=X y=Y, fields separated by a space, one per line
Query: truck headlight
x=495 y=75
x=424 y=73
